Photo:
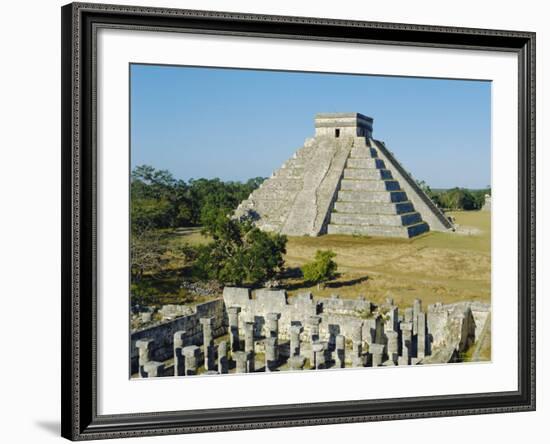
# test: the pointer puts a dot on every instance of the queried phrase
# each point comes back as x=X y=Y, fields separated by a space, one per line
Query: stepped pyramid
x=342 y=181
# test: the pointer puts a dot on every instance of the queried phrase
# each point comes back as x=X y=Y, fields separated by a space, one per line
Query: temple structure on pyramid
x=342 y=181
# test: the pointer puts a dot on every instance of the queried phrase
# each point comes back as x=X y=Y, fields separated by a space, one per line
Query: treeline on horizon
x=158 y=200
x=456 y=198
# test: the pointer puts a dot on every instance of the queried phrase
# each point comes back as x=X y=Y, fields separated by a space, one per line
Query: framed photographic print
x=278 y=221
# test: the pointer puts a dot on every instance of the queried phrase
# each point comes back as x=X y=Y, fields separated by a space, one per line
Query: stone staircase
x=273 y=200
x=370 y=202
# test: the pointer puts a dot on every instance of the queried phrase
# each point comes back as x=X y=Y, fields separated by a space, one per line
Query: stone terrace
x=342 y=181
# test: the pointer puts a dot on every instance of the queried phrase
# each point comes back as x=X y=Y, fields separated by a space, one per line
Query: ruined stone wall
x=163 y=335
x=487 y=204
x=266 y=331
x=451 y=325
x=337 y=316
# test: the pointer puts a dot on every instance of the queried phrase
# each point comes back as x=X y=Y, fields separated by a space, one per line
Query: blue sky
x=236 y=124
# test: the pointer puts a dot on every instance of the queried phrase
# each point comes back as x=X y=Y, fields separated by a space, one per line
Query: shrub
x=322 y=269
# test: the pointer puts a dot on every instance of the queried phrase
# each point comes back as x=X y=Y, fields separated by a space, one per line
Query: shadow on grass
x=348 y=283
x=338 y=284
x=291 y=273
x=295 y=286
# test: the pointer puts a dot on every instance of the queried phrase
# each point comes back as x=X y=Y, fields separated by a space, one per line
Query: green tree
x=458 y=199
x=148 y=214
x=209 y=196
x=158 y=200
x=433 y=195
x=322 y=269
x=161 y=201
x=479 y=196
x=147 y=254
x=240 y=252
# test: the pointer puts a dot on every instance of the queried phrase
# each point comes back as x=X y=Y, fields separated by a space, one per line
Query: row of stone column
x=187 y=357
x=318 y=348
x=413 y=329
x=146 y=367
x=296 y=360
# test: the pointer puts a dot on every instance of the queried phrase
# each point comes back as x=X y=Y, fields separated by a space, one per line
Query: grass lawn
x=436 y=266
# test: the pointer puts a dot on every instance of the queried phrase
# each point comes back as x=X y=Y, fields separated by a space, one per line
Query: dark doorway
x=337 y=132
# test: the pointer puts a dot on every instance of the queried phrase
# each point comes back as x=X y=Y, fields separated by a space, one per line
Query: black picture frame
x=79 y=385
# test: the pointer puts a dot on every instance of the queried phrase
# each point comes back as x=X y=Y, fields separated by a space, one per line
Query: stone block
x=377 y=353
x=296 y=362
x=191 y=356
x=153 y=369
x=235 y=296
x=241 y=360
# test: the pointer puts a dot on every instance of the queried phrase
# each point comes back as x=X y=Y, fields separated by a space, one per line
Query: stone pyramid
x=342 y=181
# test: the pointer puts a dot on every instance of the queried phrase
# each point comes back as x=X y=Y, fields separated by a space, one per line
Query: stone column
x=270 y=354
x=179 y=360
x=318 y=349
x=393 y=345
x=417 y=308
x=249 y=343
x=295 y=331
x=296 y=362
x=408 y=314
x=421 y=336
x=144 y=350
x=333 y=331
x=233 y=314
x=313 y=323
x=377 y=352
x=340 y=352
x=153 y=369
x=394 y=319
x=406 y=337
x=208 y=343
x=190 y=354
x=251 y=361
x=179 y=338
x=223 y=364
x=240 y=358
x=378 y=329
x=249 y=336
x=146 y=316
x=357 y=342
x=272 y=324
